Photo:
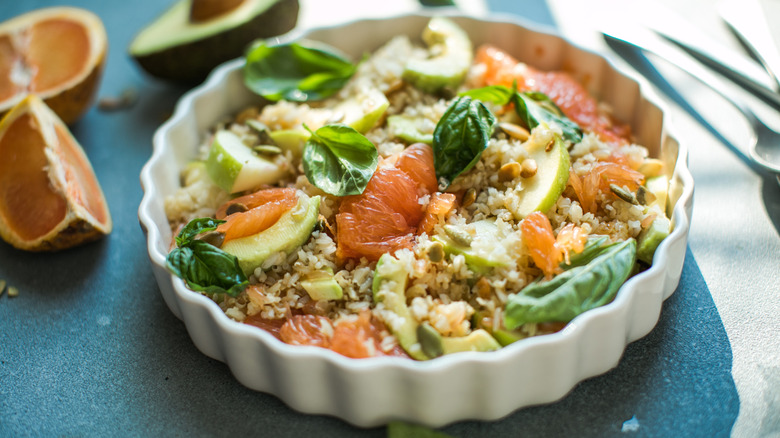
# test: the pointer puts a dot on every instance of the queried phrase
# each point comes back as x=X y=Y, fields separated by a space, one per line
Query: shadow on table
x=676 y=381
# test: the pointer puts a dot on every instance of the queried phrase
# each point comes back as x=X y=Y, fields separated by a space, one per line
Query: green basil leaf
x=593 y=248
x=195 y=227
x=460 y=137
x=496 y=94
x=535 y=107
x=204 y=267
x=299 y=72
x=339 y=160
x=574 y=291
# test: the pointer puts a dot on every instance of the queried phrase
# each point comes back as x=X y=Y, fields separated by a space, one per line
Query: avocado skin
x=191 y=63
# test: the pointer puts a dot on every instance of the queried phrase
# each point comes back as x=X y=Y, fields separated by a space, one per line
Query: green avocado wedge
x=291 y=231
x=448 y=67
x=175 y=48
x=389 y=287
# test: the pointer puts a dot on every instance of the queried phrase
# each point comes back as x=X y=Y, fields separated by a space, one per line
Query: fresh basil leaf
x=574 y=291
x=460 y=137
x=195 y=227
x=339 y=160
x=593 y=248
x=202 y=266
x=299 y=72
x=496 y=94
x=535 y=107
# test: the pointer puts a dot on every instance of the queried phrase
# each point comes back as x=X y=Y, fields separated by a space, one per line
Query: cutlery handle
x=651 y=43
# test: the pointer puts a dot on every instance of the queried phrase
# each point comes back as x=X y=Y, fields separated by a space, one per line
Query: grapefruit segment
x=50 y=198
x=57 y=53
x=500 y=68
x=386 y=216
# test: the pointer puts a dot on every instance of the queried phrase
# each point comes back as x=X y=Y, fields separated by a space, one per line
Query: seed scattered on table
x=125 y=100
x=2 y=287
x=12 y=291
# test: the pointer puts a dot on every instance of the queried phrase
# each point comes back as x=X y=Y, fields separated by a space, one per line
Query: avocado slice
x=291 y=140
x=234 y=167
x=322 y=285
x=649 y=239
x=173 y=47
x=452 y=56
x=389 y=288
x=407 y=128
x=477 y=340
x=484 y=252
x=541 y=191
x=363 y=110
x=288 y=233
x=435 y=345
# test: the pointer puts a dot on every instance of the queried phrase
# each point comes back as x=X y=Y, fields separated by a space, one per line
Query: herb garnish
x=574 y=291
x=298 y=72
x=460 y=137
x=339 y=160
x=203 y=266
x=533 y=108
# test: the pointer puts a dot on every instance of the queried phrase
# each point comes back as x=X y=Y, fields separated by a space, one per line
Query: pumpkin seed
x=459 y=235
x=623 y=194
x=267 y=149
x=263 y=131
x=13 y=292
x=645 y=196
x=430 y=340
x=436 y=252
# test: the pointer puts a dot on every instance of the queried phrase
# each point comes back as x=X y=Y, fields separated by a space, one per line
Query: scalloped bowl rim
x=680 y=216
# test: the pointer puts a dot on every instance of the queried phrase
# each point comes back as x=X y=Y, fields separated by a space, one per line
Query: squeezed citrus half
x=57 y=53
x=50 y=198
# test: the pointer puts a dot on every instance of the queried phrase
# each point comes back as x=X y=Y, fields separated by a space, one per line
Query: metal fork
x=764 y=144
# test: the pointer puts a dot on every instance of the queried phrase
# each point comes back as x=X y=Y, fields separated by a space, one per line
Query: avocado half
x=177 y=49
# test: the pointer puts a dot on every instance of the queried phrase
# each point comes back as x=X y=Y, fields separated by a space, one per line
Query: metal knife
x=730 y=63
x=650 y=42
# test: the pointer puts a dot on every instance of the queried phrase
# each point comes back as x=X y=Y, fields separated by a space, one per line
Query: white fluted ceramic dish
x=370 y=392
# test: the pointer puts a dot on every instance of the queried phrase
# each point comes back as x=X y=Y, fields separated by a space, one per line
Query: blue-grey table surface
x=89 y=348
